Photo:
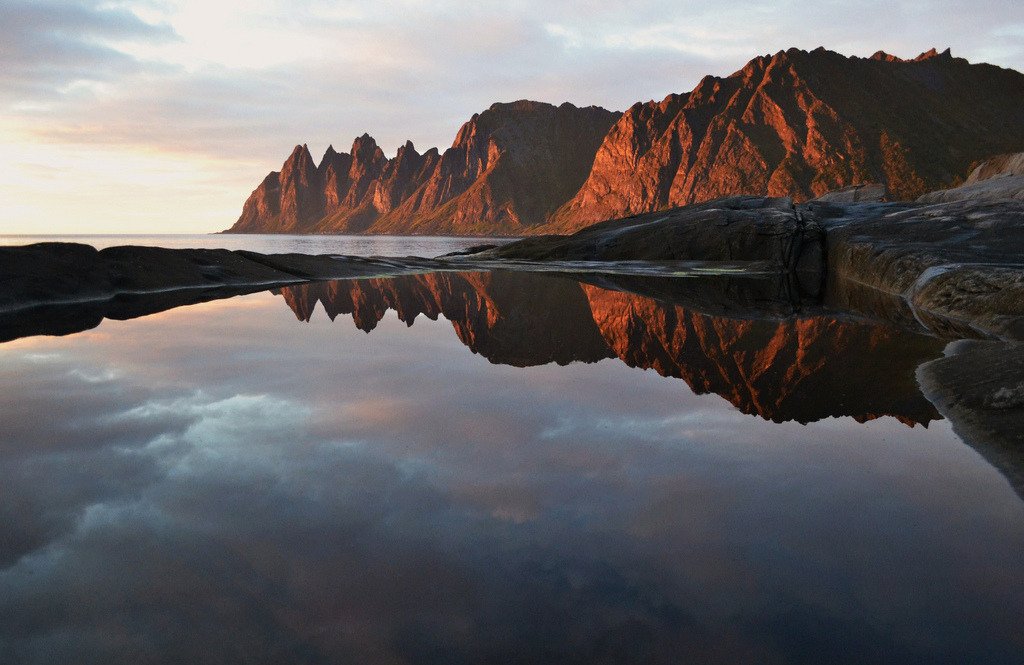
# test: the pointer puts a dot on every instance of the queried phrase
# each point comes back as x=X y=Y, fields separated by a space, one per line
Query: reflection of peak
x=802 y=369
x=484 y=308
x=789 y=369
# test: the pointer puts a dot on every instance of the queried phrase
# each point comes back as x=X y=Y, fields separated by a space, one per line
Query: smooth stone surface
x=740 y=228
x=979 y=387
x=1000 y=165
x=958 y=265
x=993 y=189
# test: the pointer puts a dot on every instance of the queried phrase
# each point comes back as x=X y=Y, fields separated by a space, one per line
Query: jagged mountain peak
x=406 y=148
x=885 y=57
x=520 y=105
x=300 y=152
x=933 y=53
x=364 y=143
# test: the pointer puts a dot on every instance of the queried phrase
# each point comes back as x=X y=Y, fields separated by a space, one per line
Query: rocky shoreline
x=953 y=269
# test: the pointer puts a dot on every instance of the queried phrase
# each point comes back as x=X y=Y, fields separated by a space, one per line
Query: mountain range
x=795 y=123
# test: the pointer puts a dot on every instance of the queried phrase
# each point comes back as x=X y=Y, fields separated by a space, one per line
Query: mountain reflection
x=786 y=368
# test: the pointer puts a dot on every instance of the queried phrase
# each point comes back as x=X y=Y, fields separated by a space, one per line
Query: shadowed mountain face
x=792 y=368
x=794 y=124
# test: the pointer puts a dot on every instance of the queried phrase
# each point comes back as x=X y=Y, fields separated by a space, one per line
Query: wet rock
x=738 y=229
x=62 y=273
x=979 y=387
x=957 y=265
x=473 y=249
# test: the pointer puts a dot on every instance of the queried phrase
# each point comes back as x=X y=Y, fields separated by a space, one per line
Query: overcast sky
x=146 y=116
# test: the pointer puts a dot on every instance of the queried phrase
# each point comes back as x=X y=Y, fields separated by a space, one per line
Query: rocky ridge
x=508 y=170
x=794 y=124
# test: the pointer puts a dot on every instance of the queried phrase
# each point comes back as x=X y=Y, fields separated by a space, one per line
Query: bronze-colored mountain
x=801 y=124
x=793 y=124
x=508 y=171
x=791 y=368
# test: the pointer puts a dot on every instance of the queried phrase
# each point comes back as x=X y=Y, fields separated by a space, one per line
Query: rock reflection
x=783 y=368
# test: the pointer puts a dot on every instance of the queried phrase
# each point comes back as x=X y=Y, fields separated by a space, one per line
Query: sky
x=161 y=116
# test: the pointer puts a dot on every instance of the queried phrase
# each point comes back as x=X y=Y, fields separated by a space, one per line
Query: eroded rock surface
x=955 y=268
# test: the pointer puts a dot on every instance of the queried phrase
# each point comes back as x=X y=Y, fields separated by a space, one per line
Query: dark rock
x=474 y=249
x=979 y=387
x=871 y=192
x=752 y=229
x=957 y=265
x=65 y=273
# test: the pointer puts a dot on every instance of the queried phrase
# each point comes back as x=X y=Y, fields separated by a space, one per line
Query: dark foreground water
x=228 y=482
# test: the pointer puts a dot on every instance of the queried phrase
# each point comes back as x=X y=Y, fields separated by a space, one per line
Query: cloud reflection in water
x=220 y=483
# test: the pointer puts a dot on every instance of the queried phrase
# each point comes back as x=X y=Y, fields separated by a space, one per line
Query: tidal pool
x=492 y=467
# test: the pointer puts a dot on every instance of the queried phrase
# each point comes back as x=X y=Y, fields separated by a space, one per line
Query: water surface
x=274 y=243
x=493 y=467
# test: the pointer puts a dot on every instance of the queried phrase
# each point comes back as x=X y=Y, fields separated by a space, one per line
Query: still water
x=492 y=467
x=427 y=246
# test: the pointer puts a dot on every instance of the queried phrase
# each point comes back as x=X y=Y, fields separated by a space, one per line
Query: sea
x=351 y=245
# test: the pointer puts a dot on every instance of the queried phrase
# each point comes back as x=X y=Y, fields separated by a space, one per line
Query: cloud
x=314 y=72
x=227 y=88
x=47 y=48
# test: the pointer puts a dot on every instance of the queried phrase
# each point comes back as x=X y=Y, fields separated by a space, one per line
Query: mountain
x=792 y=368
x=801 y=124
x=508 y=171
x=795 y=124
